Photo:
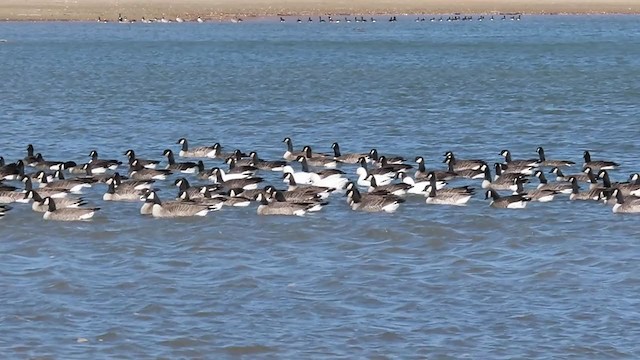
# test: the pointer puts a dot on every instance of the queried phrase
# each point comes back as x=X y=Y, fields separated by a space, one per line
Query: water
x=554 y=280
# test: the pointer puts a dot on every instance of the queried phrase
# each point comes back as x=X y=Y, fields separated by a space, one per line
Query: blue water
x=556 y=280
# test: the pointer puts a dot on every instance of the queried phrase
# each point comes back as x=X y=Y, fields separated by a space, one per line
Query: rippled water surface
x=554 y=280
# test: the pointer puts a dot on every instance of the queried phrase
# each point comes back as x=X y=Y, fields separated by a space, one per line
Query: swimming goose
x=394 y=160
x=13 y=171
x=66 y=214
x=139 y=172
x=100 y=165
x=501 y=183
x=459 y=165
x=562 y=187
x=319 y=160
x=3 y=210
x=8 y=197
x=383 y=175
x=345 y=158
x=593 y=181
x=440 y=186
x=446 y=198
x=597 y=164
x=121 y=194
x=296 y=196
x=177 y=208
x=422 y=172
x=87 y=171
x=518 y=163
x=506 y=202
x=232 y=199
x=214 y=203
x=5 y=187
x=625 y=188
x=200 y=151
x=247 y=183
x=234 y=168
x=280 y=208
x=121 y=183
x=562 y=177
x=465 y=173
x=149 y=164
x=418 y=187
x=321 y=191
x=187 y=167
x=226 y=177
x=625 y=205
x=534 y=195
x=30 y=158
x=384 y=164
x=554 y=163
x=576 y=194
x=59 y=175
x=218 y=154
x=194 y=192
x=395 y=189
x=501 y=172
x=44 y=192
x=52 y=165
x=289 y=154
x=373 y=203
x=73 y=185
x=304 y=162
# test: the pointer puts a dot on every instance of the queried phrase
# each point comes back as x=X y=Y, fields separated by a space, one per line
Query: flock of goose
x=368 y=182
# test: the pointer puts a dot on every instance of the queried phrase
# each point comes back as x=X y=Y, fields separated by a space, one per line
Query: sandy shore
x=89 y=10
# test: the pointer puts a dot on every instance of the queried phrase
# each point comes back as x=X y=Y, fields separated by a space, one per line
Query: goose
x=441 y=198
x=44 y=192
x=418 y=187
x=280 y=208
x=513 y=168
x=276 y=165
x=576 y=194
x=121 y=194
x=197 y=152
x=39 y=206
x=30 y=158
x=395 y=189
x=194 y=192
x=232 y=199
x=477 y=173
x=121 y=183
x=8 y=197
x=345 y=158
x=214 y=203
x=597 y=164
x=289 y=154
x=5 y=187
x=139 y=172
x=52 y=165
x=501 y=172
x=552 y=163
x=187 y=167
x=534 y=195
x=319 y=160
x=238 y=169
x=373 y=203
x=459 y=165
x=440 y=175
x=593 y=181
x=624 y=205
x=375 y=158
x=383 y=176
x=149 y=164
x=3 y=210
x=293 y=196
x=304 y=162
x=100 y=164
x=562 y=177
x=506 y=202
x=517 y=163
x=501 y=184
x=222 y=155
x=277 y=196
x=440 y=186
x=66 y=214
x=561 y=187
x=634 y=178
x=225 y=177
x=72 y=185
x=384 y=164
x=87 y=170
x=59 y=175
x=625 y=188
x=176 y=208
x=248 y=183
x=12 y=171
x=321 y=191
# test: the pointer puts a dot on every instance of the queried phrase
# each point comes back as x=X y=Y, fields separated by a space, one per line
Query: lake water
x=556 y=280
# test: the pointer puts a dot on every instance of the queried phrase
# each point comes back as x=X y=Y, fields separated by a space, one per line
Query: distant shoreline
x=221 y=10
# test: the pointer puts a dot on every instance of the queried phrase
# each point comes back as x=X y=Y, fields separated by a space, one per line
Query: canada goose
x=440 y=175
x=553 y=163
x=562 y=177
x=200 y=151
x=219 y=154
x=562 y=187
x=39 y=206
x=8 y=197
x=383 y=176
x=66 y=214
x=395 y=189
x=226 y=177
x=194 y=192
x=597 y=164
x=576 y=194
x=239 y=169
x=625 y=205
x=442 y=190
x=30 y=158
x=318 y=160
x=446 y=198
x=534 y=195
x=394 y=160
x=121 y=194
x=3 y=210
x=458 y=165
x=139 y=172
x=13 y=171
x=5 y=187
x=149 y=164
x=477 y=173
x=293 y=196
x=187 y=167
x=506 y=202
x=121 y=183
x=248 y=183
x=625 y=188
x=501 y=183
x=52 y=165
x=517 y=163
x=250 y=194
x=593 y=181
x=513 y=168
x=86 y=170
x=304 y=162
x=99 y=164
x=59 y=175
x=176 y=208
x=44 y=192
x=280 y=208
x=373 y=203
x=214 y=203
x=501 y=172
x=276 y=165
x=289 y=154
x=398 y=167
x=418 y=187
x=74 y=186
x=345 y=158
x=321 y=191
x=233 y=199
